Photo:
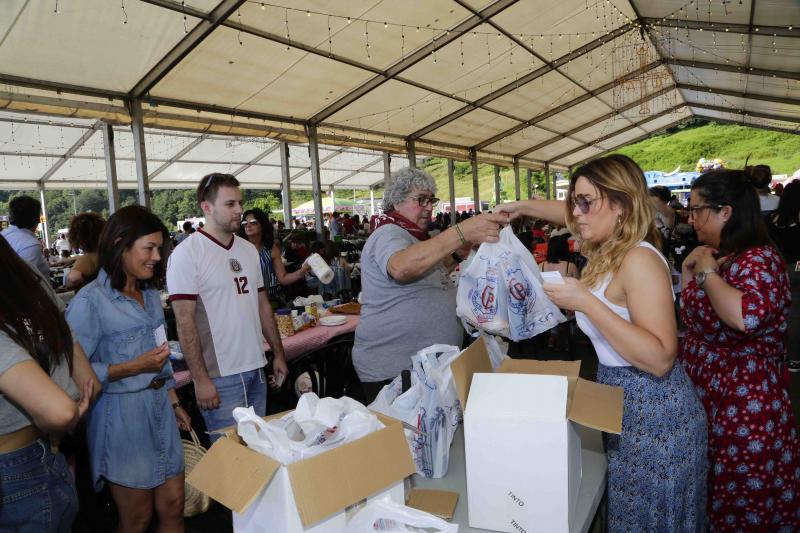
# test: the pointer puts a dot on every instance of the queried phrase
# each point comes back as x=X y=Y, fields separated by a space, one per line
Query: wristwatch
x=700 y=277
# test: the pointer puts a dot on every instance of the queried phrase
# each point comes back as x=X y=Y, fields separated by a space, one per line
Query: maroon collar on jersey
x=228 y=247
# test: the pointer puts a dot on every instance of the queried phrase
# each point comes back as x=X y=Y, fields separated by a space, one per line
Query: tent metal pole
x=371 y=201
x=451 y=185
x=316 y=180
x=530 y=183
x=45 y=220
x=387 y=169
x=286 y=186
x=111 y=167
x=140 y=153
x=517 y=188
x=497 y=185
x=412 y=153
x=548 y=185
x=476 y=193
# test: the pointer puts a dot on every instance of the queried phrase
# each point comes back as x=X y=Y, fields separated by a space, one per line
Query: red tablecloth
x=297 y=345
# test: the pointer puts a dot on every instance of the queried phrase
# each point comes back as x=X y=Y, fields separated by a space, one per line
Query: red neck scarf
x=393 y=217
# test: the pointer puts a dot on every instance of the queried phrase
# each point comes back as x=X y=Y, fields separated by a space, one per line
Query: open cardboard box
x=522 y=451
x=309 y=495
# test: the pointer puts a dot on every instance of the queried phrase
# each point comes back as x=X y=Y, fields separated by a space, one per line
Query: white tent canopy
x=510 y=82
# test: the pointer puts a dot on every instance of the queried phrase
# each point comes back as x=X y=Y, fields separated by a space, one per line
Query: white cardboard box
x=309 y=496
x=522 y=451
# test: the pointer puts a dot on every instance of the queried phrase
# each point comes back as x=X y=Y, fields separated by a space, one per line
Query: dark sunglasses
x=250 y=223
x=583 y=202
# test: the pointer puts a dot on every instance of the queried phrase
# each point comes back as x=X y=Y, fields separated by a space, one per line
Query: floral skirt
x=657 y=467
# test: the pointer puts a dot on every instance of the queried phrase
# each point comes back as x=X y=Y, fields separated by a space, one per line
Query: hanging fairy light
x=124 y=13
x=286 y=24
x=185 y=22
x=366 y=38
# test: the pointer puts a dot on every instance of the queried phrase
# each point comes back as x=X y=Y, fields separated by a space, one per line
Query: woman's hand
x=701 y=258
x=86 y=398
x=153 y=360
x=511 y=210
x=571 y=295
x=483 y=228
x=183 y=419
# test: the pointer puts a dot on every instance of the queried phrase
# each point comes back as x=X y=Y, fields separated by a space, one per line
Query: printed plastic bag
x=385 y=515
x=315 y=426
x=431 y=405
x=497 y=347
x=500 y=292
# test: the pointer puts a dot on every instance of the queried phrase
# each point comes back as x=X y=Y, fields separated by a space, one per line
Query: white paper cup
x=320 y=268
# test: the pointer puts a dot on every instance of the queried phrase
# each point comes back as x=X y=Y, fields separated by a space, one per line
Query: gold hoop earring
x=619 y=220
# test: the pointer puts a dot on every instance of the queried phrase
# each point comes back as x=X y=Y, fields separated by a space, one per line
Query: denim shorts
x=246 y=389
x=37 y=492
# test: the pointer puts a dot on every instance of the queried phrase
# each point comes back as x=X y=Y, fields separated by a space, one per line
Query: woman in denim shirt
x=133 y=437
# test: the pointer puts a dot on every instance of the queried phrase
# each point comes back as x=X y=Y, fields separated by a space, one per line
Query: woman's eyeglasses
x=422 y=201
x=695 y=210
x=249 y=223
x=583 y=202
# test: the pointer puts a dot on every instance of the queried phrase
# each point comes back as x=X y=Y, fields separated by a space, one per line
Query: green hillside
x=732 y=144
x=681 y=146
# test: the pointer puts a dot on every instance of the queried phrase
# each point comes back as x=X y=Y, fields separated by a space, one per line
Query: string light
x=56 y=8
x=185 y=23
x=366 y=36
x=124 y=13
x=286 y=23
x=239 y=33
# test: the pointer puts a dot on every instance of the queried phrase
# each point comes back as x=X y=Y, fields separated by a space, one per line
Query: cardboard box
x=309 y=495
x=522 y=451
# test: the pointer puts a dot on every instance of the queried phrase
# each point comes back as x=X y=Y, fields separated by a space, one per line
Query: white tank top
x=605 y=353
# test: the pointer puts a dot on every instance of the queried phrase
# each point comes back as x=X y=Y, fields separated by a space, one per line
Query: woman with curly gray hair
x=408 y=300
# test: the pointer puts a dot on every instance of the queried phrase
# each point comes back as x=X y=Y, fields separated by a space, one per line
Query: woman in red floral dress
x=735 y=302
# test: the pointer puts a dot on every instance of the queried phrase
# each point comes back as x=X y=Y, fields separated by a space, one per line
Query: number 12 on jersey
x=241 y=285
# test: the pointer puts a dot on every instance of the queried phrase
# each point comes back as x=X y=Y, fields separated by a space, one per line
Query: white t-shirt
x=225 y=281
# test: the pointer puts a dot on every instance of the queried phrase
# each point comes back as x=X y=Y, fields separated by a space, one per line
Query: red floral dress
x=754 y=476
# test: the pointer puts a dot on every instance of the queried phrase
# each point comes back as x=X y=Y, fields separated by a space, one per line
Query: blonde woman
x=657 y=467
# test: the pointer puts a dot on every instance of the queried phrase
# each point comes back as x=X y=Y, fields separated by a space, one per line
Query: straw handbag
x=195 y=501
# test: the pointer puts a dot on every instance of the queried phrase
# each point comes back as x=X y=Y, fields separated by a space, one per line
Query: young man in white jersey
x=221 y=308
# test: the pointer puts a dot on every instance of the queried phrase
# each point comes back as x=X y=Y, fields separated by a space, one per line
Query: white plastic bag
x=431 y=405
x=497 y=347
x=315 y=426
x=385 y=515
x=500 y=292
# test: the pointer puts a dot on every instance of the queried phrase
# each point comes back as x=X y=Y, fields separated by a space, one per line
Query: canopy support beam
x=316 y=180
x=451 y=185
x=71 y=151
x=362 y=169
x=517 y=187
x=497 y=199
x=110 y=154
x=613 y=134
x=530 y=183
x=631 y=141
x=413 y=58
x=139 y=152
x=411 y=147
x=516 y=84
x=45 y=219
x=321 y=161
x=566 y=105
x=258 y=158
x=739 y=94
x=476 y=190
x=188 y=148
x=768 y=73
x=548 y=191
x=747 y=29
x=387 y=168
x=286 y=185
x=196 y=35
x=756 y=114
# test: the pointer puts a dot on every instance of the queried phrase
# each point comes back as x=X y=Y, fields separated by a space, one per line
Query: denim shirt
x=113 y=328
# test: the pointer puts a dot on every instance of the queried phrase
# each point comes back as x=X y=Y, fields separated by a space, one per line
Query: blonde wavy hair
x=621 y=182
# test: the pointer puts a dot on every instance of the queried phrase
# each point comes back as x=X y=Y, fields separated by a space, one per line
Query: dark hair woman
x=39 y=370
x=84 y=233
x=784 y=228
x=257 y=229
x=132 y=431
x=558 y=257
x=735 y=300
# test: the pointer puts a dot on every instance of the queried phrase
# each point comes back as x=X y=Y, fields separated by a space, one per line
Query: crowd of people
x=709 y=440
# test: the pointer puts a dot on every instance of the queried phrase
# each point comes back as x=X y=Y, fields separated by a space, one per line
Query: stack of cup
x=320 y=268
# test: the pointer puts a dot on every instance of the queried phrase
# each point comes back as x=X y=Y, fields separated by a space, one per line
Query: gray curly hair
x=403 y=182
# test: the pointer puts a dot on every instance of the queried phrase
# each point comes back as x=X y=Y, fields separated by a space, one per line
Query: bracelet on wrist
x=460 y=234
x=175 y=405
